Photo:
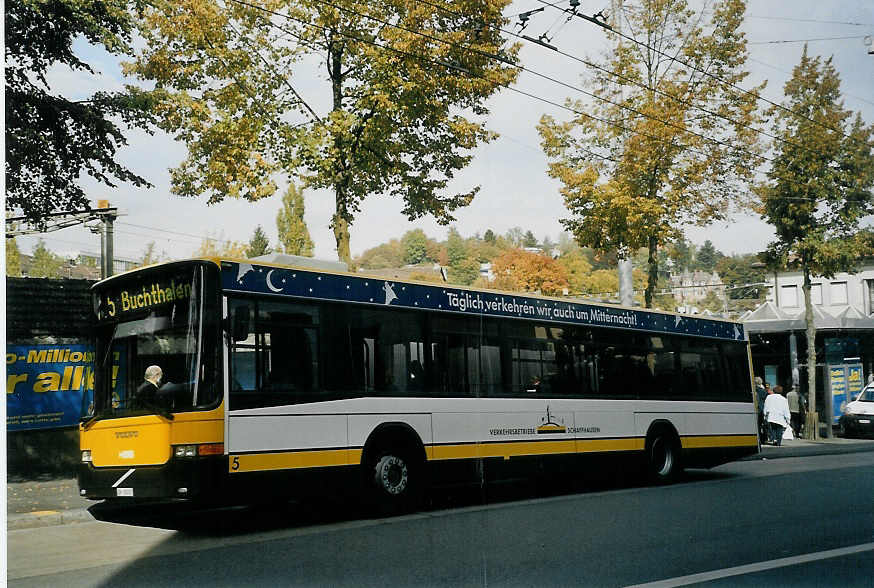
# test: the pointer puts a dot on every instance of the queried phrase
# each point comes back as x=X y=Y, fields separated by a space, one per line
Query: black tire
x=663 y=457
x=394 y=480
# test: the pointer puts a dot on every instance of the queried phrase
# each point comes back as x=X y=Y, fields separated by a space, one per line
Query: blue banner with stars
x=282 y=281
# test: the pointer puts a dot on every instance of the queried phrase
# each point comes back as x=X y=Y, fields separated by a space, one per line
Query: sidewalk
x=803 y=447
x=49 y=502
x=43 y=503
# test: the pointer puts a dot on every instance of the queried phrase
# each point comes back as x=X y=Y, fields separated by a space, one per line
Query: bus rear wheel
x=395 y=481
x=663 y=457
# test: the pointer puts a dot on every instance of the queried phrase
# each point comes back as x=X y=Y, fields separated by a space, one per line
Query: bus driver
x=147 y=392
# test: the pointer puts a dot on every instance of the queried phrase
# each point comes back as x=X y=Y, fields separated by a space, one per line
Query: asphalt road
x=803 y=521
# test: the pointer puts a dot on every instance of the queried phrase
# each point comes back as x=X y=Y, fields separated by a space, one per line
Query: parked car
x=858 y=417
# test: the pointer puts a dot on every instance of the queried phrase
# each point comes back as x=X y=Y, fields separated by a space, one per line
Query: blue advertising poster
x=837 y=376
x=855 y=383
x=45 y=384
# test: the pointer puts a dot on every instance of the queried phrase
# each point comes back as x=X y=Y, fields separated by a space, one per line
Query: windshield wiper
x=91 y=420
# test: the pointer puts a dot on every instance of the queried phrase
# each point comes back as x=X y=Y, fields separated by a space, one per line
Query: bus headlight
x=185 y=451
x=86 y=456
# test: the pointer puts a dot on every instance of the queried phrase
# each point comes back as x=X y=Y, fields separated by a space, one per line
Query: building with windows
x=843 y=310
x=832 y=295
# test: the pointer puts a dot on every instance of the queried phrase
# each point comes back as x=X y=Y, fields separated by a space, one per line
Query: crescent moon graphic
x=270 y=284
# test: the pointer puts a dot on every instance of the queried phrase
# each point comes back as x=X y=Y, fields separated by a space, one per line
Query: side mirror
x=240 y=323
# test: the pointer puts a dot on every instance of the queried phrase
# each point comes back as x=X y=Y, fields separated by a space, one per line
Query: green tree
x=672 y=147
x=737 y=272
x=51 y=139
x=456 y=247
x=490 y=236
x=485 y=251
x=464 y=272
x=407 y=88
x=816 y=199
x=44 y=263
x=13 y=258
x=294 y=236
x=712 y=302
x=415 y=244
x=665 y=299
x=681 y=253
x=601 y=283
x=577 y=268
x=707 y=257
x=259 y=244
x=529 y=240
x=389 y=254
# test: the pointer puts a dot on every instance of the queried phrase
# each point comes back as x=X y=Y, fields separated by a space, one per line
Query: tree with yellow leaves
x=218 y=246
x=663 y=144
x=522 y=271
x=400 y=111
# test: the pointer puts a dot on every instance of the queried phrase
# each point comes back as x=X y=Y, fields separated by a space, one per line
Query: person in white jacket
x=777 y=414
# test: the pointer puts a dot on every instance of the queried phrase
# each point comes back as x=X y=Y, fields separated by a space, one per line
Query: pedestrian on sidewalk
x=797 y=409
x=777 y=414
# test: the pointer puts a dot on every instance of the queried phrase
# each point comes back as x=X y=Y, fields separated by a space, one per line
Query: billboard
x=45 y=384
x=845 y=382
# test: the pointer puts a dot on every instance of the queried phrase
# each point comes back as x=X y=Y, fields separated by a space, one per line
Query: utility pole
x=107 y=217
x=626 y=283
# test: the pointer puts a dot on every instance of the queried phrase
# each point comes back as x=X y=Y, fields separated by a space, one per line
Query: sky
x=511 y=171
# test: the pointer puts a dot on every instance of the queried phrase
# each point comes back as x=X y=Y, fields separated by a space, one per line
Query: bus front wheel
x=663 y=457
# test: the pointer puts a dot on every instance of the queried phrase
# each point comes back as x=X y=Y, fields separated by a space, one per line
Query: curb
x=808 y=449
x=47 y=518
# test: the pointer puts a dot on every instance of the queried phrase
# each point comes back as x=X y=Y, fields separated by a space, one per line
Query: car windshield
x=155 y=344
x=867 y=394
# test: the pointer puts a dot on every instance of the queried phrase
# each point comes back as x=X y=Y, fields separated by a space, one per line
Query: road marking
x=39 y=513
x=756 y=567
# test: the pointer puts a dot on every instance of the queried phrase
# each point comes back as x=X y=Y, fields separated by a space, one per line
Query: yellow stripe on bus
x=505 y=450
x=593 y=445
x=705 y=442
x=255 y=462
x=259 y=462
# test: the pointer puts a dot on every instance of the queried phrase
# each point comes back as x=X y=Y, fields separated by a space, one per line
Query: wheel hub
x=392 y=474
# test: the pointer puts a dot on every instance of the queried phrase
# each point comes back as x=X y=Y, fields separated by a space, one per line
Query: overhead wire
x=570 y=86
x=714 y=77
x=565 y=84
x=516 y=90
x=646 y=87
x=804 y=40
x=190 y=235
x=781 y=70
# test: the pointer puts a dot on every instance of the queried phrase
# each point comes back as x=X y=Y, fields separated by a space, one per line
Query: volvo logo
x=126 y=434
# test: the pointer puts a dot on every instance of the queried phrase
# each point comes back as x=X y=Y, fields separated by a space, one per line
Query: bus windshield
x=156 y=342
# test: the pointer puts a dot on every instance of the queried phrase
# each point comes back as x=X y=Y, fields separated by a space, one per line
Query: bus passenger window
x=243 y=345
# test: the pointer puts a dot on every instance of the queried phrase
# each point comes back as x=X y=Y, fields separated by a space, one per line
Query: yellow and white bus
x=281 y=378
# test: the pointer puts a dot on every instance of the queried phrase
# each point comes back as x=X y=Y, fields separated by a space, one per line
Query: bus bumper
x=178 y=478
